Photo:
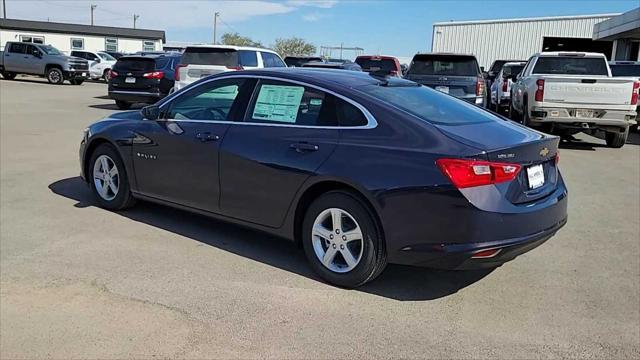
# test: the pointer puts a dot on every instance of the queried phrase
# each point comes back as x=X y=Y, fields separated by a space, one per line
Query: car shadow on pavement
x=404 y=283
x=113 y=106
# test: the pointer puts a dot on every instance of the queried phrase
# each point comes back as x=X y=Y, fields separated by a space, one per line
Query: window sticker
x=278 y=103
x=315 y=102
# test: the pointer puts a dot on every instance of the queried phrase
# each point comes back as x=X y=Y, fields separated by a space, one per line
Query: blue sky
x=398 y=28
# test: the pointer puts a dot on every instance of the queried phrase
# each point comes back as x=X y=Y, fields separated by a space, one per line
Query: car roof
x=149 y=56
x=514 y=63
x=569 y=53
x=232 y=47
x=336 y=78
x=445 y=53
x=376 y=56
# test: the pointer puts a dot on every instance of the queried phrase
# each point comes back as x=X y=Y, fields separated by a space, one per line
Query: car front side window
x=212 y=101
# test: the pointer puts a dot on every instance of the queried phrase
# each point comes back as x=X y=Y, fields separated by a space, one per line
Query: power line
x=227 y=25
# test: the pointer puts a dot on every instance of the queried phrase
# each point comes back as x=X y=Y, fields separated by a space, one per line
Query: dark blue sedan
x=361 y=170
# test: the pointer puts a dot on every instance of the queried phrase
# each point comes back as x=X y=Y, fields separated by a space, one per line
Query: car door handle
x=304 y=147
x=207 y=136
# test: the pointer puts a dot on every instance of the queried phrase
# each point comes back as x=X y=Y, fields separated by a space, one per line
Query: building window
x=148 y=46
x=32 y=39
x=111 y=44
x=77 y=44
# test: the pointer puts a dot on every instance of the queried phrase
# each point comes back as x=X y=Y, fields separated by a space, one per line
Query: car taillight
x=557 y=158
x=540 y=90
x=469 y=173
x=112 y=74
x=154 y=75
x=635 y=93
x=177 y=71
x=480 y=87
x=237 y=67
x=505 y=84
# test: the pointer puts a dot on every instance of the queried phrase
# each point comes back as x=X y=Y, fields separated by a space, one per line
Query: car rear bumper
x=135 y=96
x=563 y=117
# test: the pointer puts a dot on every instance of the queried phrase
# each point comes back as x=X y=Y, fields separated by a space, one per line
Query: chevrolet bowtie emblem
x=544 y=152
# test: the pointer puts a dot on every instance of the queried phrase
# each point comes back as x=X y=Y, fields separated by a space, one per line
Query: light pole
x=4 y=9
x=93 y=7
x=215 y=26
x=135 y=17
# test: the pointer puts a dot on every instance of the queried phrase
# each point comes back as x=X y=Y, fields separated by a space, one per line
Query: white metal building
x=518 y=39
x=68 y=37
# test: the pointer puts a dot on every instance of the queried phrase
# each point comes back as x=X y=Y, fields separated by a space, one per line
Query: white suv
x=199 y=61
x=100 y=63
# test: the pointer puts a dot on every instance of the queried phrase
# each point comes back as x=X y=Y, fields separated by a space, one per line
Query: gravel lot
x=81 y=282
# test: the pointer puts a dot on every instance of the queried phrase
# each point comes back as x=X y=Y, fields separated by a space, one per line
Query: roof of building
x=626 y=25
x=81 y=29
x=545 y=18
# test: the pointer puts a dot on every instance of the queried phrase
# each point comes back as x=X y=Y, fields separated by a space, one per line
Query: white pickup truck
x=571 y=92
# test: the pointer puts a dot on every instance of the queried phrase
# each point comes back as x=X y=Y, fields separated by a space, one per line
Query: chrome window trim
x=372 y=123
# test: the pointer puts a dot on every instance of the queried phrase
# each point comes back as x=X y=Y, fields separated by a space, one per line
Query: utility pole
x=135 y=17
x=215 y=26
x=4 y=9
x=93 y=7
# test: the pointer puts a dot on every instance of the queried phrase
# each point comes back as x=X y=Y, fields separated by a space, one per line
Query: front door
x=35 y=63
x=176 y=158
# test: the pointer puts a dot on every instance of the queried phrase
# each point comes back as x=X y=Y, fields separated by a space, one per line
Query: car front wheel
x=108 y=179
x=55 y=76
x=342 y=240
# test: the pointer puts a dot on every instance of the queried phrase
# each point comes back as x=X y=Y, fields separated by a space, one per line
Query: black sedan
x=361 y=170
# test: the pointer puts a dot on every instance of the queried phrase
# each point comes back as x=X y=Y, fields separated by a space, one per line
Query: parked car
x=333 y=64
x=571 y=92
x=380 y=64
x=299 y=152
x=627 y=69
x=494 y=69
x=455 y=74
x=42 y=60
x=297 y=61
x=100 y=63
x=404 y=68
x=199 y=61
x=501 y=86
x=116 y=55
x=142 y=79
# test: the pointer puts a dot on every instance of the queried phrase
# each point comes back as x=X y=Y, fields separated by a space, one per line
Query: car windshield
x=50 y=50
x=429 y=105
x=107 y=57
x=210 y=56
x=376 y=64
x=451 y=65
x=632 y=70
x=571 y=65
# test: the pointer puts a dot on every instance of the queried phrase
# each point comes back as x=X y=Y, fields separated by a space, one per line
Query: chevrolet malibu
x=360 y=170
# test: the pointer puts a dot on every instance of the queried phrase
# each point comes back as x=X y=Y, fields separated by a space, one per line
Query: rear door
x=288 y=132
x=456 y=75
x=14 y=57
x=176 y=158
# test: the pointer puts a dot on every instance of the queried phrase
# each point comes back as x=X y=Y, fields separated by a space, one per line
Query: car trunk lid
x=130 y=74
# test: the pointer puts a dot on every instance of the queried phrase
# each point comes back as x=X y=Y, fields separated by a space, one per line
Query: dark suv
x=455 y=74
x=142 y=79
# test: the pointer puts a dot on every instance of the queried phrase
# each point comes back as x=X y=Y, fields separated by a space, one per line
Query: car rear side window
x=210 y=56
x=429 y=105
x=444 y=65
x=248 y=58
x=133 y=65
x=17 y=48
x=272 y=60
x=570 y=65
x=281 y=102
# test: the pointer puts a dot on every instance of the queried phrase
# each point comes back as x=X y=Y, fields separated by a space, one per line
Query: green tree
x=293 y=46
x=236 y=39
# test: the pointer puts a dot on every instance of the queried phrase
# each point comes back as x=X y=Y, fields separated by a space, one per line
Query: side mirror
x=482 y=69
x=151 y=112
x=97 y=60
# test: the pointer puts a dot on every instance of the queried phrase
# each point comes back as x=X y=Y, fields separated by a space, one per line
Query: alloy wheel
x=337 y=240
x=106 y=177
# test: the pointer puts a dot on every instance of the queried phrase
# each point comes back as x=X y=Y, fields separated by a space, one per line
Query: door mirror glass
x=151 y=112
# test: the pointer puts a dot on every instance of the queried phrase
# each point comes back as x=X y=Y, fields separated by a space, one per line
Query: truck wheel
x=8 y=75
x=616 y=139
x=525 y=119
x=55 y=76
x=513 y=113
x=123 y=105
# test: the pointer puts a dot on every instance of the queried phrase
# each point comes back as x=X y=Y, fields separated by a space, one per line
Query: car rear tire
x=76 y=81
x=123 y=105
x=8 y=75
x=55 y=76
x=105 y=75
x=525 y=119
x=616 y=139
x=108 y=179
x=342 y=240
x=513 y=113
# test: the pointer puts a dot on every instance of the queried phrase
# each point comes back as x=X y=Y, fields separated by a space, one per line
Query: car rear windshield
x=444 y=65
x=625 y=70
x=210 y=56
x=134 y=65
x=570 y=65
x=509 y=70
x=429 y=105
x=376 y=64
